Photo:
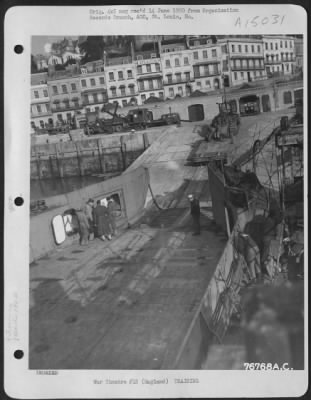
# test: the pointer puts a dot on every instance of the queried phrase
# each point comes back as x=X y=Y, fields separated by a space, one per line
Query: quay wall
x=131 y=186
x=104 y=155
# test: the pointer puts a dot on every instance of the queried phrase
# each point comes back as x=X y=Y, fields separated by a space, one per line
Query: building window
x=33 y=125
x=180 y=91
x=132 y=89
x=93 y=83
x=150 y=84
x=246 y=48
x=196 y=55
x=120 y=75
x=187 y=76
x=232 y=48
x=285 y=44
x=235 y=76
x=141 y=85
x=39 y=109
x=124 y=103
x=224 y=49
x=122 y=88
x=266 y=46
x=64 y=89
x=177 y=62
x=287 y=98
x=83 y=83
x=290 y=44
x=55 y=90
x=214 y=53
x=45 y=93
x=225 y=65
x=143 y=98
x=73 y=87
x=148 y=66
x=97 y=109
x=186 y=61
x=102 y=80
x=111 y=76
x=171 y=92
x=206 y=70
x=88 y=109
x=139 y=69
x=36 y=93
x=41 y=124
x=240 y=48
x=208 y=84
x=169 y=78
x=271 y=46
x=167 y=63
x=276 y=46
x=204 y=53
x=129 y=74
x=199 y=84
x=47 y=106
x=178 y=77
x=281 y=44
x=113 y=91
x=242 y=75
x=253 y=48
x=95 y=98
x=157 y=67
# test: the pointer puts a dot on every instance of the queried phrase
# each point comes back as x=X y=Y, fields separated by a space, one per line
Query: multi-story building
x=279 y=53
x=206 y=63
x=93 y=85
x=121 y=81
x=149 y=75
x=177 y=69
x=40 y=108
x=65 y=93
x=242 y=59
x=298 y=45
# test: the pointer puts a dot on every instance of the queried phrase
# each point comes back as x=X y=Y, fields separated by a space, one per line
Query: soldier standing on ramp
x=195 y=213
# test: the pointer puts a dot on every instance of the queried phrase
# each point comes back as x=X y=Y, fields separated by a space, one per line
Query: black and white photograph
x=167 y=203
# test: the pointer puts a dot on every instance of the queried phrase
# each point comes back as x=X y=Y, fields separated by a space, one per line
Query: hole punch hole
x=18 y=354
x=18 y=49
x=18 y=201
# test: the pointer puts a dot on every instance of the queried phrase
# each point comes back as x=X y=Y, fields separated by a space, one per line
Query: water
x=41 y=189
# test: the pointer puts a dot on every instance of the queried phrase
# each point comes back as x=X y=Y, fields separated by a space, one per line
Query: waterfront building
x=206 y=63
x=176 y=60
x=120 y=73
x=298 y=46
x=40 y=107
x=279 y=53
x=242 y=59
x=149 y=74
x=93 y=85
x=65 y=94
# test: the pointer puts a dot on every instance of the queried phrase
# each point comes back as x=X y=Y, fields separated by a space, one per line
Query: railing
x=98 y=101
x=176 y=80
x=67 y=108
x=41 y=114
x=150 y=89
x=246 y=68
x=150 y=73
x=206 y=75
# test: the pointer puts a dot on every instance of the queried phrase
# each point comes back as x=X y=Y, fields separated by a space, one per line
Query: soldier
x=195 y=213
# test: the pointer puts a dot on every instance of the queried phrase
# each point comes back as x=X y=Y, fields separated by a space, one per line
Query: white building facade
x=121 y=82
x=177 y=69
x=40 y=107
x=242 y=60
x=149 y=76
x=279 y=53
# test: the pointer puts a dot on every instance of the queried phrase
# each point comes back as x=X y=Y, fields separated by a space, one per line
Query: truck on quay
x=139 y=118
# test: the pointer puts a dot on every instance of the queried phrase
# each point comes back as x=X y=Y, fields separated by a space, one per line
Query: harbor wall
x=131 y=187
x=94 y=155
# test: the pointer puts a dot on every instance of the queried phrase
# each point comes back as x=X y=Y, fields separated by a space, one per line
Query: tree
x=92 y=48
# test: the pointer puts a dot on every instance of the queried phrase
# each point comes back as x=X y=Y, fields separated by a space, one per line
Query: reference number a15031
x=258 y=21
x=267 y=367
